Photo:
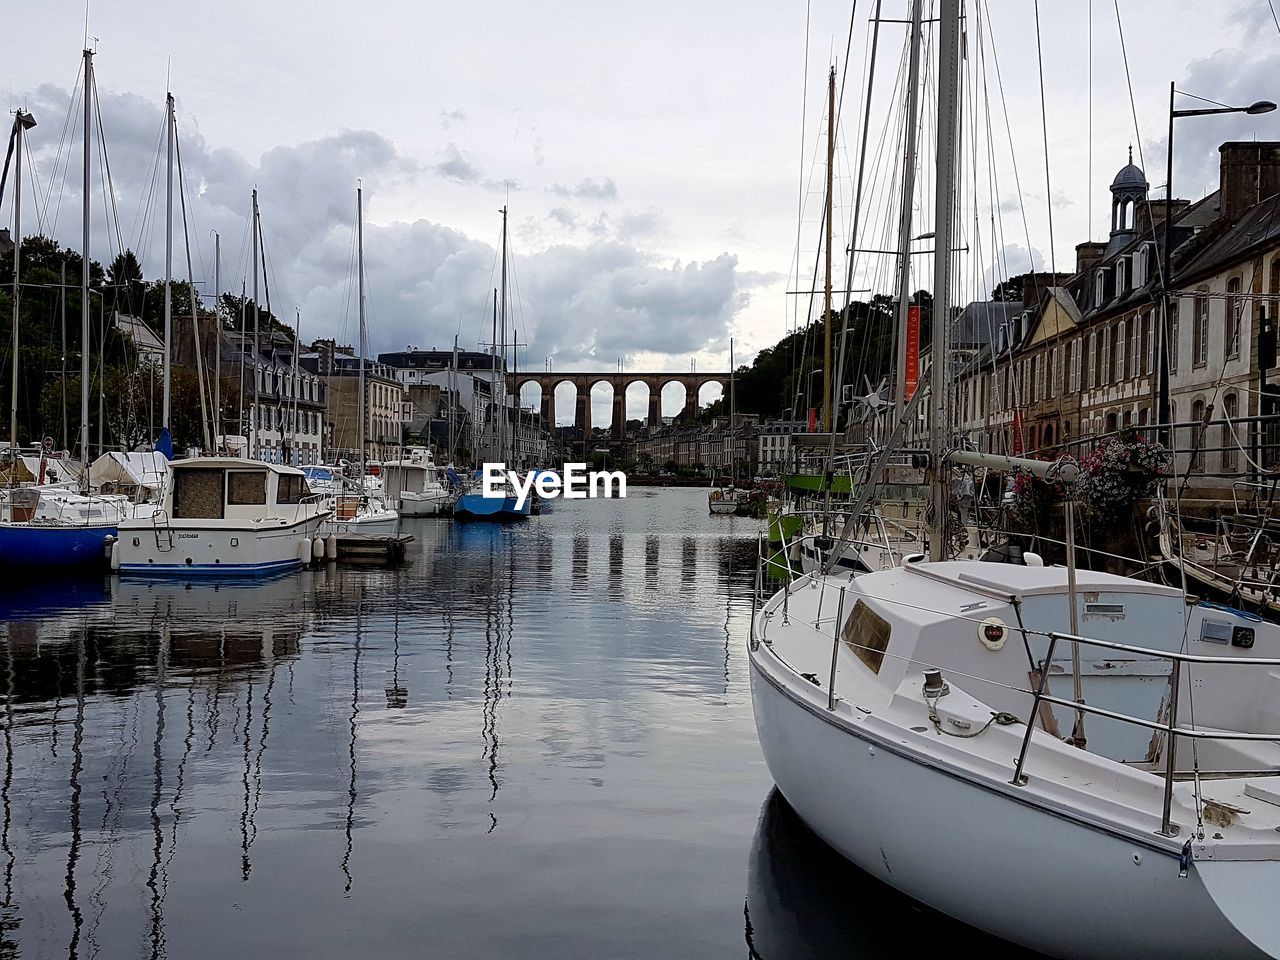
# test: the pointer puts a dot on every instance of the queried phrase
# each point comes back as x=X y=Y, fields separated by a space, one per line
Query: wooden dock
x=375 y=550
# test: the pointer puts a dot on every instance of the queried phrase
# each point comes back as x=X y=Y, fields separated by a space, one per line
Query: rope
x=1044 y=130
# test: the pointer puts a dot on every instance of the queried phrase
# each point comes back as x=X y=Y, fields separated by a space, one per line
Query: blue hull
x=26 y=546
x=476 y=506
x=208 y=569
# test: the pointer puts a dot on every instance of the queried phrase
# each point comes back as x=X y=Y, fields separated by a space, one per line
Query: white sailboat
x=929 y=723
x=358 y=511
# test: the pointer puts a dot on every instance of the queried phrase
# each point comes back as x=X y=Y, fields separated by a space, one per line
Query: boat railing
x=1169 y=727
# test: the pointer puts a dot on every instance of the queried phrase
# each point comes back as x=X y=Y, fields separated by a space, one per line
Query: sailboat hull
x=1029 y=875
x=476 y=506
x=30 y=546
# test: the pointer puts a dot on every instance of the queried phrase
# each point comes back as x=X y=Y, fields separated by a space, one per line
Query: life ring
x=716 y=495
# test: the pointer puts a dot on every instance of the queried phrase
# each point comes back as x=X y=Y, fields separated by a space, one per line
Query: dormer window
x=1120 y=276
x=1100 y=286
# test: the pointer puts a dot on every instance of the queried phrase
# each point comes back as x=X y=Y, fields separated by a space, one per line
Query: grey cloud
x=455 y=166
x=450 y=118
x=634 y=225
x=563 y=216
x=587 y=189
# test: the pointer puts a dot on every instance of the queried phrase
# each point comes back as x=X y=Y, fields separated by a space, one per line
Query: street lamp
x=1253 y=109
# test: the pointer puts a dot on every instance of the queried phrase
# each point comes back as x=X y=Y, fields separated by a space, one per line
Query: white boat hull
x=724 y=506
x=1031 y=876
x=381 y=525
x=421 y=504
x=190 y=547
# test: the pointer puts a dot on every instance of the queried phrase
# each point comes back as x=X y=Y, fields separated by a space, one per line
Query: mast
x=84 y=271
x=360 y=268
x=502 y=391
x=21 y=123
x=944 y=207
x=904 y=217
x=826 y=316
x=493 y=387
x=293 y=421
x=168 y=257
x=257 y=411
x=733 y=419
x=217 y=340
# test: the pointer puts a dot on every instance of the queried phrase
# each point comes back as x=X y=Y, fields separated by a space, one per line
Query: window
x=1120 y=277
x=1197 y=435
x=1235 y=308
x=1230 y=409
x=1076 y=357
x=1119 y=345
x=1104 y=361
x=1149 y=329
x=1093 y=363
x=197 y=494
x=1200 y=330
x=247 y=487
x=291 y=489
x=1099 y=286
x=1174 y=344
x=1274 y=287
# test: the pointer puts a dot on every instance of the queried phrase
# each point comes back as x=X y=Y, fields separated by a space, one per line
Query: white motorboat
x=223 y=515
x=723 y=500
x=356 y=514
x=411 y=486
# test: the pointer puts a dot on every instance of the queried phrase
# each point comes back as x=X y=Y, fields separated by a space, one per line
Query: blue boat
x=41 y=546
x=476 y=506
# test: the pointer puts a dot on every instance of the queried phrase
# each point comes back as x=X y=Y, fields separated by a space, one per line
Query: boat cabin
x=222 y=488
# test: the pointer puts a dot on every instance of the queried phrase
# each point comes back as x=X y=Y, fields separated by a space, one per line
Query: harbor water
x=533 y=740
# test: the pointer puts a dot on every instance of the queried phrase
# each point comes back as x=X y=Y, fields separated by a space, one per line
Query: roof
x=1130 y=175
x=242 y=463
x=978 y=323
x=1260 y=225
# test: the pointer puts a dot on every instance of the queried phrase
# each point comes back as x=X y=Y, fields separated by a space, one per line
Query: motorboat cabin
x=224 y=515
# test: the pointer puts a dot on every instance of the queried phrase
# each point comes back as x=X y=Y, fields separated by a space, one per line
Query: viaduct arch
x=583 y=382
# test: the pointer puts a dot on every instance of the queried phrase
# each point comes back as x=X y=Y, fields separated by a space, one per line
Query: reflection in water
x=806 y=902
x=196 y=807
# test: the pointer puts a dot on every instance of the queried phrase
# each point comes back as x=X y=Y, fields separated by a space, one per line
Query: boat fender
x=108 y=546
x=1153 y=512
x=115 y=554
x=317 y=548
x=304 y=551
x=1031 y=559
x=993 y=633
x=331 y=547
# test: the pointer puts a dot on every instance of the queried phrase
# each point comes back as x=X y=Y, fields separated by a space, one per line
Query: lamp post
x=1260 y=106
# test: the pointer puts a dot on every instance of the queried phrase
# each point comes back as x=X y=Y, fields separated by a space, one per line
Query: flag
x=912 y=379
x=813 y=419
x=165 y=443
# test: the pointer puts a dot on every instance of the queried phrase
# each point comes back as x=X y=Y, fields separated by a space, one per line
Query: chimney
x=1088 y=253
x=1034 y=286
x=1250 y=173
x=1151 y=213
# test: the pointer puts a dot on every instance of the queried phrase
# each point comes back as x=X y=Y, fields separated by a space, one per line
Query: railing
x=1171 y=729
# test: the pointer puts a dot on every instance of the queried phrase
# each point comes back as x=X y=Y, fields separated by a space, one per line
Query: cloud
x=455 y=166
x=588 y=189
x=451 y=118
x=585 y=304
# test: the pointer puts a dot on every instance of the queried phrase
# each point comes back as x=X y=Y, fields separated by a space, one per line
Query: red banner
x=1017 y=433
x=913 y=351
x=813 y=419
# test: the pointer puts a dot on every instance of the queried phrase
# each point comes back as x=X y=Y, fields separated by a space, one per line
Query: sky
x=663 y=163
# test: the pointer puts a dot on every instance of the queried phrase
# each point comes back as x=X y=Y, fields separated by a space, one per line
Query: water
x=532 y=741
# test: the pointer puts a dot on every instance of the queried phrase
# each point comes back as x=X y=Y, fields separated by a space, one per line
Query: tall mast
x=293 y=420
x=493 y=398
x=257 y=411
x=502 y=390
x=904 y=217
x=944 y=207
x=733 y=419
x=360 y=267
x=826 y=315
x=21 y=123
x=168 y=256
x=84 y=268
x=217 y=339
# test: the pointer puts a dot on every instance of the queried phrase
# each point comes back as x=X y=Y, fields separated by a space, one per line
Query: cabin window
x=197 y=494
x=292 y=488
x=868 y=634
x=247 y=487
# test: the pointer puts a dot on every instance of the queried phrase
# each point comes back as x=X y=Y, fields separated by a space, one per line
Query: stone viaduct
x=583 y=382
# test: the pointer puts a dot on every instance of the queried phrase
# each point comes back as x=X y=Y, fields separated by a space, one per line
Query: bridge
x=583 y=382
